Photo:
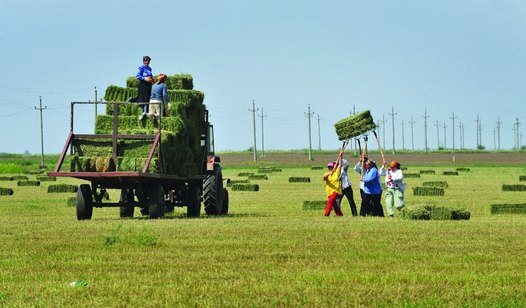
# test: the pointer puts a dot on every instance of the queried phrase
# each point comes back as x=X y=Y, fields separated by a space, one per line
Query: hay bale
x=245 y=174
x=522 y=178
x=416 y=213
x=508 y=208
x=427 y=172
x=28 y=183
x=411 y=175
x=428 y=191
x=19 y=178
x=6 y=178
x=432 y=212
x=460 y=214
x=258 y=177
x=463 y=169
x=6 y=191
x=265 y=170
x=435 y=184
x=299 y=179
x=245 y=187
x=62 y=188
x=355 y=125
x=314 y=205
x=316 y=168
x=450 y=173
x=72 y=201
x=173 y=82
x=232 y=182
x=45 y=178
x=516 y=187
x=276 y=169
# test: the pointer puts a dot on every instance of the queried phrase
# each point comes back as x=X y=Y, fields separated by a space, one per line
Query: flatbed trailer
x=154 y=193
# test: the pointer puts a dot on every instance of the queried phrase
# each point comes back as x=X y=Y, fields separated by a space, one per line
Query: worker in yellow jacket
x=332 y=186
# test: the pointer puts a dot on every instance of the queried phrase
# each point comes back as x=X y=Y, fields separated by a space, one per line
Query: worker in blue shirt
x=145 y=77
x=372 y=191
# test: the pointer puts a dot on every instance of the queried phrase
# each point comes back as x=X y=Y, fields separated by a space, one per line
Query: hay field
x=268 y=251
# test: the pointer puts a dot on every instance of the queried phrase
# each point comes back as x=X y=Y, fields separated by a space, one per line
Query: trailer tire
x=213 y=191
x=142 y=197
x=193 y=208
x=224 y=209
x=156 y=201
x=84 y=202
x=127 y=209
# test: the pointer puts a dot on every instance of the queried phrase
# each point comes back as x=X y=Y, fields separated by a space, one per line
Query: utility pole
x=453 y=118
x=403 y=140
x=392 y=114
x=355 y=139
x=383 y=130
x=425 y=128
x=463 y=135
x=262 y=133
x=494 y=138
x=478 y=133
x=517 y=133
x=95 y=103
x=42 y=164
x=309 y=115
x=412 y=134
x=319 y=133
x=253 y=110
x=461 y=145
x=444 y=126
x=498 y=133
x=438 y=135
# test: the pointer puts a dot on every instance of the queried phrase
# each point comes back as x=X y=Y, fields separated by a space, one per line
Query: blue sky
x=439 y=57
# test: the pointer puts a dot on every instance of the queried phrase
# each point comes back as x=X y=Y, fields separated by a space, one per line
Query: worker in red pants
x=333 y=187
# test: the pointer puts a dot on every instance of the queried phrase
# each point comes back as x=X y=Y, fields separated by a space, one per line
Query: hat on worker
x=330 y=165
x=145 y=58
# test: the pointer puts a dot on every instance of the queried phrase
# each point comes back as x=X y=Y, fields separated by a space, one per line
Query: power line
x=453 y=118
x=438 y=134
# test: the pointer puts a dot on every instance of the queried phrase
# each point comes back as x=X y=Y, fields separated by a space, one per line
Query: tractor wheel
x=84 y=202
x=126 y=210
x=212 y=191
x=224 y=210
x=193 y=209
x=156 y=201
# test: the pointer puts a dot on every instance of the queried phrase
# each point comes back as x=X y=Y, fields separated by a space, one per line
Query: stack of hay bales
x=182 y=125
x=355 y=125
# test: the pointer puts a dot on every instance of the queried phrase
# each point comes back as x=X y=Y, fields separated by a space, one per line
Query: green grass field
x=268 y=251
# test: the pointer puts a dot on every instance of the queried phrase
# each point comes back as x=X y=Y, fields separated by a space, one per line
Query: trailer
x=154 y=192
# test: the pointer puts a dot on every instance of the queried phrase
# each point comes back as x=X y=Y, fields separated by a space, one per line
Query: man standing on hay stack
x=145 y=77
x=333 y=187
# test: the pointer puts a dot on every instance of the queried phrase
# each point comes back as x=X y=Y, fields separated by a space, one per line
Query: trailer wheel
x=156 y=201
x=193 y=209
x=224 y=210
x=212 y=191
x=126 y=199
x=142 y=197
x=84 y=202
